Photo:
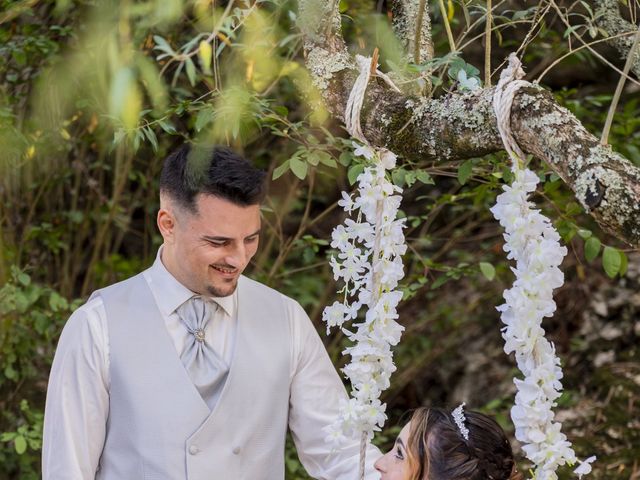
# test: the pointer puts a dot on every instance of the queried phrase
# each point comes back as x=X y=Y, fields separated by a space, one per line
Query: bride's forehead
x=404 y=433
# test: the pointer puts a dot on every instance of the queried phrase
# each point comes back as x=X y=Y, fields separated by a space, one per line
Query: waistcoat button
x=236 y=450
x=193 y=449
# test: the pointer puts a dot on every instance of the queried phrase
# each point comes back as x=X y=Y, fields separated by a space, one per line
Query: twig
x=487 y=46
x=568 y=54
x=447 y=26
x=374 y=61
x=618 y=92
x=467 y=31
x=418 y=40
x=596 y=54
x=537 y=19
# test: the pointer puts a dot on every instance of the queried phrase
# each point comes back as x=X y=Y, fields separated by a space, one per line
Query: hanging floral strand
x=370 y=244
x=534 y=244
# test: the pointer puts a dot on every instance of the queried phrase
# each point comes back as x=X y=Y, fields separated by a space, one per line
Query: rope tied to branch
x=510 y=82
x=367 y=67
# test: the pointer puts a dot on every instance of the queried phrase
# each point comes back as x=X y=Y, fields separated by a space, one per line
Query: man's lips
x=226 y=271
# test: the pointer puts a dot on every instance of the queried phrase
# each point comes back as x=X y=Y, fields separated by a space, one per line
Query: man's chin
x=222 y=291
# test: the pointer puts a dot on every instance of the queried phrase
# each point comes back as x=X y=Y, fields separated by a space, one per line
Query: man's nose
x=236 y=257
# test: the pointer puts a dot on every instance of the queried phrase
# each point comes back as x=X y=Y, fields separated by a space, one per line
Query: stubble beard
x=219 y=292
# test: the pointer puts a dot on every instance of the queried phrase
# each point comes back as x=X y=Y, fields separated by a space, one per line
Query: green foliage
x=31 y=316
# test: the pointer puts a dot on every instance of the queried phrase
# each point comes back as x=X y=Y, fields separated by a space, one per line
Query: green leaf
x=10 y=373
x=7 y=436
x=24 y=279
x=572 y=208
x=279 y=171
x=410 y=178
x=298 y=167
x=611 y=261
x=398 y=176
x=584 y=233
x=281 y=110
x=313 y=158
x=464 y=171
x=53 y=302
x=161 y=44
x=441 y=280
x=329 y=161
x=354 y=172
x=76 y=216
x=324 y=158
x=425 y=178
x=345 y=158
x=151 y=136
x=591 y=248
x=167 y=127
x=20 y=444
x=204 y=117
x=624 y=263
x=191 y=71
x=488 y=270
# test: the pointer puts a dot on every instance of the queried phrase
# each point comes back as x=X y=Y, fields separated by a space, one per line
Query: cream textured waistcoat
x=159 y=428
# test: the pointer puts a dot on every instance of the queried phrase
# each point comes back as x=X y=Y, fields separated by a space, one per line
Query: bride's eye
x=398 y=454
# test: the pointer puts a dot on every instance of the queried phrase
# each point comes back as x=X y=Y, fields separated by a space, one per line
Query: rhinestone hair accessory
x=458 y=417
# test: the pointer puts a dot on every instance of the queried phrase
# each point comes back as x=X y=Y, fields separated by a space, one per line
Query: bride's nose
x=379 y=465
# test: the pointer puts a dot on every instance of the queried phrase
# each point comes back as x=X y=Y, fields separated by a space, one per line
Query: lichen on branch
x=463 y=125
x=608 y=18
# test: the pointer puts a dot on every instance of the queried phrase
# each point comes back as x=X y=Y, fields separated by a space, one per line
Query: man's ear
x=166 y=221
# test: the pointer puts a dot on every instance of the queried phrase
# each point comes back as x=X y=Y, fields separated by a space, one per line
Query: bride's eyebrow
x=400 y=442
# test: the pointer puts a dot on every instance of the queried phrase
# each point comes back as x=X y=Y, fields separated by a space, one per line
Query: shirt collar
x=170 y=293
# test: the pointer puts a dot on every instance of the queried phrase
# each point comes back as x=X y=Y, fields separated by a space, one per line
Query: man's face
x=208 y=251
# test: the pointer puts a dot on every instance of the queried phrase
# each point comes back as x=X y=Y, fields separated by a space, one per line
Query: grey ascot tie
x=207 y=370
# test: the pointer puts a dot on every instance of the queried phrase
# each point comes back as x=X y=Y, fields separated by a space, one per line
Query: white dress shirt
x=77 y=405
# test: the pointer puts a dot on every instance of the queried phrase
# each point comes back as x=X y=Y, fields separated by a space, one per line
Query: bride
x=440 y=445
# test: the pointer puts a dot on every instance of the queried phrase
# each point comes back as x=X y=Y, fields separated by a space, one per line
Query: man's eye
x=251 y=239
x=218 y=244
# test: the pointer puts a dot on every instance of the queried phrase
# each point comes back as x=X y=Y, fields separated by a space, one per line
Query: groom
x=190 y=370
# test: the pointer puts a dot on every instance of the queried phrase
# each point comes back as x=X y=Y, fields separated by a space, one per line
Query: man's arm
x=316 y=391
x=77 y=398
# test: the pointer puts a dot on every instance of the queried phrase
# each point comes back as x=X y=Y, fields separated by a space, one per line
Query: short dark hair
x=212 y=170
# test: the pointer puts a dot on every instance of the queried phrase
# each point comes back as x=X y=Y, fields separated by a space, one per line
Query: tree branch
x=608 y=18
x=459 y=126
x=416 y=40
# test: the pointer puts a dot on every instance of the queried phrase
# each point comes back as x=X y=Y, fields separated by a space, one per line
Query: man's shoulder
x=94 y=306
x=254 y=287
x=121 y=286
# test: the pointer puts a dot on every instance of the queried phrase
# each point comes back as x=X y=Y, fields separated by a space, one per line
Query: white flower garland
x=534 y=244
x=370 y=266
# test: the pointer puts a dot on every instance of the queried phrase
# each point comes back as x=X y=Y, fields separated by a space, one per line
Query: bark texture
x=608 y=17
x=459 y=126
x=412 y=26
x=406 y=14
